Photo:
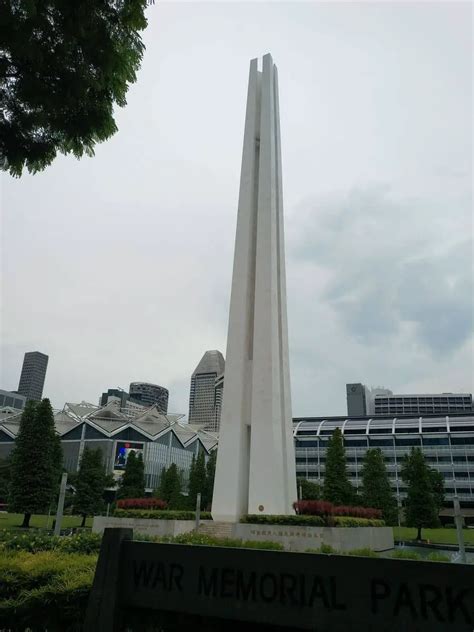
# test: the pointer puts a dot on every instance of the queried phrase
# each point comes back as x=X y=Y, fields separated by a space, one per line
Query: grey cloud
x=388 y=263
x=436 y=294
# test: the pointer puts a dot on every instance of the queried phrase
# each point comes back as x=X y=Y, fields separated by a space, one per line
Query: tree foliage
x=197 y=481
x=63 y=67
x=36 y=461
x=5 y=477
x=376 y=489
x=309 y=490
x=170 y=487
x=337 y=488
x=90 y=483
x=421 y=505
x=132 y=483
x=209 y=484
x=437 y=486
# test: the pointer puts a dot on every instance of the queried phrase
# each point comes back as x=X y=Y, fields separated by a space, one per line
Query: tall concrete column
x=255 y=471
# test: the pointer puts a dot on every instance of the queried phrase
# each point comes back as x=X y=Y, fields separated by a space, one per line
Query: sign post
x=458 y=519
x=59 y=512
x=198 y=509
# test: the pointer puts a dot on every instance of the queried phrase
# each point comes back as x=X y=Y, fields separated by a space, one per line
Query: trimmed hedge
x=364 y=552
x=302 y=521
x=435 y=556
x=327 y=549
x=34 y=541
x=346 y=521
x=403 y=554
x=44 y=591
x=202 y=539
x=312 y=521
x=160 y=515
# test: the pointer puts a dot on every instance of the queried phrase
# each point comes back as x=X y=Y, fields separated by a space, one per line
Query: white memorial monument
x=255 y=470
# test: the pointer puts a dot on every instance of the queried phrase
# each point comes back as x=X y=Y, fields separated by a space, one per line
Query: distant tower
x=255 y=471
x=357 y=404
x=33 y=374
x=150 y=394
x=203 y=393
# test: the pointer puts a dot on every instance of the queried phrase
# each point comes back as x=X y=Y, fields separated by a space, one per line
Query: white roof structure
x=109 y=421
x=320 y=427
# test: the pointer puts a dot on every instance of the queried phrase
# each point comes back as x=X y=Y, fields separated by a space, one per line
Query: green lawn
x=438 y=536
x=13 y=521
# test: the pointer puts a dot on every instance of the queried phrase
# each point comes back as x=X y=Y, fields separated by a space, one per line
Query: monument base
x=293 y=538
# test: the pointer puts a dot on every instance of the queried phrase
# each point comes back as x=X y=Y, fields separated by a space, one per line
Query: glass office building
x=446 y=441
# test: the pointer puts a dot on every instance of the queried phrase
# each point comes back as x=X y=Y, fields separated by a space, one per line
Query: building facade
x=33 y=374
x=362 y=400
x=150 y=395
x=12 y=400
x=122 y=400
x=446 y=441
x=444 y=403
x=205 y=399
x=161 y=439
x=219 y=394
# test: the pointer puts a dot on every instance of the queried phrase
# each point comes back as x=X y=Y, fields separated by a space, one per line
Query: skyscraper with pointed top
x=255 y=470
x=206 y=391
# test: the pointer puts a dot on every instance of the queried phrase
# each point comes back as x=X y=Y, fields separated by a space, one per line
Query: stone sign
x=297 y=590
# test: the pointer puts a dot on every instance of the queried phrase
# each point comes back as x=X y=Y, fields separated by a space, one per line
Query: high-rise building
x=378 y=401
x=33 y=374
x=150 y=394
x=203 y=402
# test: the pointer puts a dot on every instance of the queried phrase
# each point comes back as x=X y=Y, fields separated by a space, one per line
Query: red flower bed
x=358 y=512
x=141 y=503
x=325 y=508
x=314 y=507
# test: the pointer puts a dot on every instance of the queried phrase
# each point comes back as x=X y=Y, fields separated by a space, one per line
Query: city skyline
x=378 y=218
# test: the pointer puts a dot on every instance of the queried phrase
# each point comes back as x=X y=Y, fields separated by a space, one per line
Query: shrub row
x=346 y=521
x=313 y=521
x=327 y=549
x=325 y=508
x=160 y=514
x=45 y=591
x=142 y=503
x=35 y=541
x=400 y=554
x=207 y=540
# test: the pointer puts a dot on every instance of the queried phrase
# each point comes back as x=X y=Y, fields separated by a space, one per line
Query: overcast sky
x=119 y=266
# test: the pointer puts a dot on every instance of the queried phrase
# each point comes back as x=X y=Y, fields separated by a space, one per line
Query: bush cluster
x=36 y=541
x=207 y=540
x=157 y=514
x=327 y=549
x=325 y=508
x=404 y=554
x=347 y=521
x=45 y=591
x=328 y=520
x=298 y=520
x=364 y=552
x=142 y=503
x=434 y=556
